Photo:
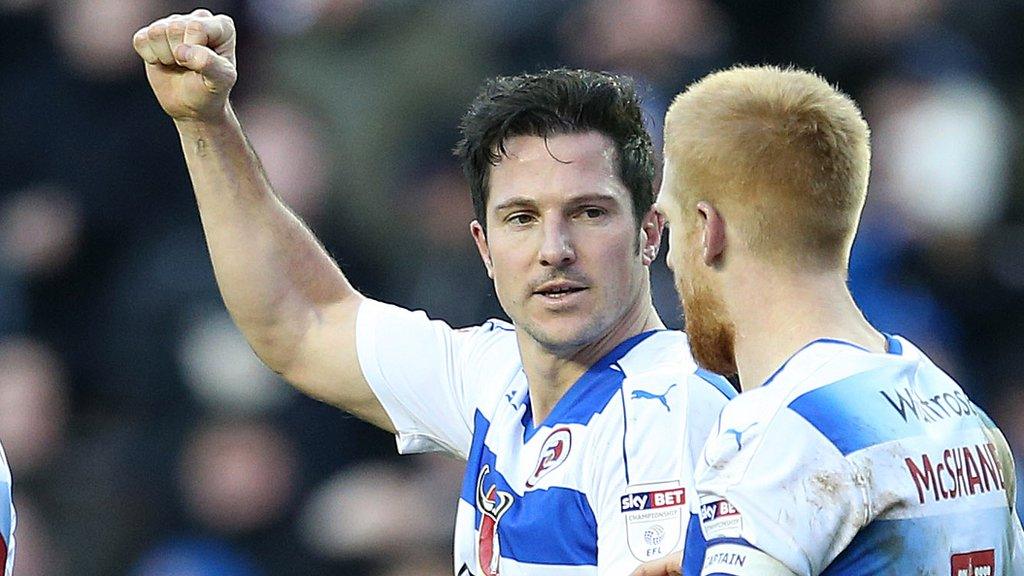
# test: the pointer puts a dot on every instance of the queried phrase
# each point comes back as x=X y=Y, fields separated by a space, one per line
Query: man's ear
x=651 y=229
x=480 y=237
x=712 y=236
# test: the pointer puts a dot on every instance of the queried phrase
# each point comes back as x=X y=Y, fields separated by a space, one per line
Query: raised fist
x=190 y=63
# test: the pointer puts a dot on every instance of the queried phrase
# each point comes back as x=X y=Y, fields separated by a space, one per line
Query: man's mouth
x=558 y=290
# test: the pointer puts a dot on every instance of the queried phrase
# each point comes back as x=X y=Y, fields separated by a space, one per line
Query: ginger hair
x=781 y=154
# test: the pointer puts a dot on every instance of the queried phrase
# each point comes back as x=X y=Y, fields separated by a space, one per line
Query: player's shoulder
x=486 y=348
x=665 y=358
x=768 y=417
x=824 y=362
x=489 y=357
x=832 y=376
x=665 y=393
x=818 y=386
x=491 y=340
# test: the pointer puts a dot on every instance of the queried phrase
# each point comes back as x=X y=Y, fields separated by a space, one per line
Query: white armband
x=740 y=560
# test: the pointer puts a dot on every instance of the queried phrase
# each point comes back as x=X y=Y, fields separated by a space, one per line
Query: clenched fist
x=190 y=63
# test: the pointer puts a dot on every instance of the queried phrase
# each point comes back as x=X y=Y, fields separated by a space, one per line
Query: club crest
x=553 y=452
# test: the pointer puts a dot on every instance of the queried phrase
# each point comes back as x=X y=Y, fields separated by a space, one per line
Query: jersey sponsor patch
x=654 y=518
x=553 y=453
x=720 y=519
x=979 y=563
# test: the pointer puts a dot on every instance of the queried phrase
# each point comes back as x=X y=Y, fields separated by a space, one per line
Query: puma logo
x=738 y=434
x=645 y=395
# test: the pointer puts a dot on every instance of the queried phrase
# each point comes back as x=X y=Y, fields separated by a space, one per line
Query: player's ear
x=652 y=226
x=480 y=237
x=712 y=237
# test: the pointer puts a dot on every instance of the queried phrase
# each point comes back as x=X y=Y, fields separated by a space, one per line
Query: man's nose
x=558 y=249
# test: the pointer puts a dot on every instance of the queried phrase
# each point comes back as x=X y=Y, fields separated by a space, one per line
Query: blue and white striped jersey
x=850 y=462
x=8 y=518
x=600 y=486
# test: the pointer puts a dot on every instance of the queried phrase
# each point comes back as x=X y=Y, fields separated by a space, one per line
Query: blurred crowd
x=146 y=439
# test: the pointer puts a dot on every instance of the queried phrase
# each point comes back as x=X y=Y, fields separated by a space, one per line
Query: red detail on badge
x=488 y=556
x=553 y=452
x=492 y=505
x=980 y=563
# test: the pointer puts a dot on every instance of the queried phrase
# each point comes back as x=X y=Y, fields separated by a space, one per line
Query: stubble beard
x=597 y=323
x=591 y=331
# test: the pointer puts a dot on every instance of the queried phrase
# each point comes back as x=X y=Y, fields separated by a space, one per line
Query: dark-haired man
x=570 y=419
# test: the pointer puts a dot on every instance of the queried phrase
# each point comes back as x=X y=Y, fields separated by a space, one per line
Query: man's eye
x=519 y=219
x=593 y=212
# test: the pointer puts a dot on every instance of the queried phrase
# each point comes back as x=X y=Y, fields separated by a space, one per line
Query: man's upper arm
x=326 y=363
x=404 y=372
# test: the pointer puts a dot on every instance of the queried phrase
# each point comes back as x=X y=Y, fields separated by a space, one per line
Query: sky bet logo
x=716 y=510
x=654 y=500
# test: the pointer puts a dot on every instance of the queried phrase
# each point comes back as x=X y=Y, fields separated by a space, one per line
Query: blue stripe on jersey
x=924 y=545
x=5 y=515
x=853 y=414
x=892 y=345
x=696 y=546
x=529 y=534
x=473 y=463
x=528 y=531
x=588 y=395
x=719 y=382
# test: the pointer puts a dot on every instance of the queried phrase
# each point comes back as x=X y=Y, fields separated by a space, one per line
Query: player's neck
x=781 y=313
x=551 y=373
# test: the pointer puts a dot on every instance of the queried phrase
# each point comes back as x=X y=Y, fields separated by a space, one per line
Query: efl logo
x=717 y=510
x=980 y=563
x=654 y=500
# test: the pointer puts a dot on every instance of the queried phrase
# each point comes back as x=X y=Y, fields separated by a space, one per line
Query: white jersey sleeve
x=424 y=372
x=775 y=488
x=8 y=519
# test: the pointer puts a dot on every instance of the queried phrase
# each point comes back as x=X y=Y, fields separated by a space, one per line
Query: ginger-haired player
x=848 y=451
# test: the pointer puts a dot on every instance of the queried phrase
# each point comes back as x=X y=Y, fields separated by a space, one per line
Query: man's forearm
x=272 y=272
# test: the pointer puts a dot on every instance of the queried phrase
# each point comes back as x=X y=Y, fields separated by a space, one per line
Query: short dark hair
x=551 y=103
